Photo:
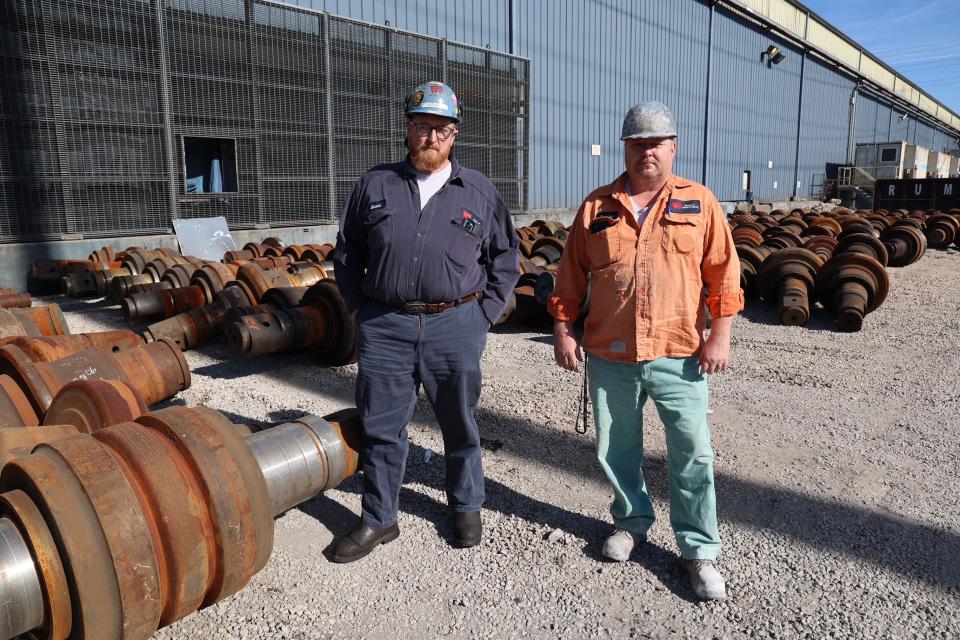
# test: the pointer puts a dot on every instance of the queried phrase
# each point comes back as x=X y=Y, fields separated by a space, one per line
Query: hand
x=566 y=348
x=715 y=355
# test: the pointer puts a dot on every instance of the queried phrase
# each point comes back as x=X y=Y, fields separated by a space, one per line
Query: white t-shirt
x=429 y=184
x=640 y=213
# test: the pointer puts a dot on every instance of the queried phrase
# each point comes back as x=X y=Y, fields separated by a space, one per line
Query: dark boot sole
x=390 y=537
x=465 y=544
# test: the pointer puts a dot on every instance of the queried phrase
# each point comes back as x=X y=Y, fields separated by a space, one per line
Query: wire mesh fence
x=116 y=117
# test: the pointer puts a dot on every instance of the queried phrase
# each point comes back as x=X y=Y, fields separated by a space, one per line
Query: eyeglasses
x=423 y=130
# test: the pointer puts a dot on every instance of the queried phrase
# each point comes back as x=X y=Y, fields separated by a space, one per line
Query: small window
x=210 y=164
x=888 y=155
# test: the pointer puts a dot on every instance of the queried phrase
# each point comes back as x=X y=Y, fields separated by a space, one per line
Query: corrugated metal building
x=104 y=106
x=591 y=59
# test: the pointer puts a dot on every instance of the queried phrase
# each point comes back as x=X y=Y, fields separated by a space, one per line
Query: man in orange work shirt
x=652 y=244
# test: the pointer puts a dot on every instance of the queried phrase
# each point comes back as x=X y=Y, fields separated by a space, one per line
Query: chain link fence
x=116 y=117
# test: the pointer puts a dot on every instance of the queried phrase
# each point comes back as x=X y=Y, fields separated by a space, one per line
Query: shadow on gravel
x=759 y=312
x=909 y=548
x=501 y=498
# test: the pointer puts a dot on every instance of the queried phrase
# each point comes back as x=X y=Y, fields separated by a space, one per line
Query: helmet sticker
x=417 y=98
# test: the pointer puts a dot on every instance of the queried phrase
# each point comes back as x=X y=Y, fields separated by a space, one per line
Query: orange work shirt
x=647 y=283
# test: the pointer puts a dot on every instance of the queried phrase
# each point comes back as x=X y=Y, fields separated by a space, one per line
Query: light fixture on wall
x=773 y=55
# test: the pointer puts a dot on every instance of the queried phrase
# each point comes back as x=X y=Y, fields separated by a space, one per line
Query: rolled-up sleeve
x=350 y=256
x=720 y=268
x=571 y=286
x=501 y=259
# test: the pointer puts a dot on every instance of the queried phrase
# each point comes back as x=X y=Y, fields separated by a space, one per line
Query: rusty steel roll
x=180 y=275
x=317 y=252
x=115 y=533
x=751 y=257
x=546 y=251
x=255 y=248
x=543 y=286
x=865 y=243
x=527 y=310
x=823 y=246
x=33 y=321
x=102 y=255
x=213 y=277
x=52 y=271
x=786 y=279
x=89 y=405
x=120 y=286
x=239 y=256
x=15 y=407
x=852 y=285
x=905 y=244
x=941 y=230
x=162 y=302
x=15 y=300
x=159 y=266
x=136 y=260
x=50 y=348
x=256 y=281
x=322 y=323
x=156 y=370
x=196 y=326
x=90 y=283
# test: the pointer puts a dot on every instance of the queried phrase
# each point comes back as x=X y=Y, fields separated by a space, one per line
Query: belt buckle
x=415 y=308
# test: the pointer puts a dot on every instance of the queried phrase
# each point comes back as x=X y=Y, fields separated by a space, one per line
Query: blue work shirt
x=462 y=242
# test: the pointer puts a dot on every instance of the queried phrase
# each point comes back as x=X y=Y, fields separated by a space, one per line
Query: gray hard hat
x=650 y=119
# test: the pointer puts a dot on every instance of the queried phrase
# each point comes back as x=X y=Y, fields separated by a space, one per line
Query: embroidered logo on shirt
x=684 y=206
x=379 y=204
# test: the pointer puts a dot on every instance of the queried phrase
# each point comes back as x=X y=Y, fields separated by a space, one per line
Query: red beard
x=428 y=159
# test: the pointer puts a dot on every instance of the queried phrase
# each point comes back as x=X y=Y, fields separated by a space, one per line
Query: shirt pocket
x=461 y=248
x=681 y=234
x=378 y=225
x=604 y=247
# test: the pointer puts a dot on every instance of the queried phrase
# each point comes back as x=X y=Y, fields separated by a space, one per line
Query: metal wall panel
x=591 y=65
x=754 y=108
x=823 y=127
x=481 y=23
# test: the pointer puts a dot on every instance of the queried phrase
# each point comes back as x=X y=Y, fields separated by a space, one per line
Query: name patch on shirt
x=379 y=204
x=613 y=215
x=684 y=206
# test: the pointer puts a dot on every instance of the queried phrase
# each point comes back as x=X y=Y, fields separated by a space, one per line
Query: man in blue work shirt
x=426 y=257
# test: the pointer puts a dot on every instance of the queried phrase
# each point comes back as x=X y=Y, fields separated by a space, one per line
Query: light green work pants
x=678 y=389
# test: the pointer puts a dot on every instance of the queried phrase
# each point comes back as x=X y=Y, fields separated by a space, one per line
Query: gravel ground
x=836 y=460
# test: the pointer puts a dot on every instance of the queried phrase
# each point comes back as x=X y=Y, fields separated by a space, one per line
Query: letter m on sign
x=948 y=189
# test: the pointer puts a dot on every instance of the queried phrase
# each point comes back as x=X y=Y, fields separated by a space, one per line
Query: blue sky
x=920 y=39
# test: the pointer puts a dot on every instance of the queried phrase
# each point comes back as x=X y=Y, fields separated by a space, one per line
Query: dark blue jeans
x=396 y=354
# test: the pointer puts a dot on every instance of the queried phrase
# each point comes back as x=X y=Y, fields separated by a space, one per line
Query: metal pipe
x=796 y=157
x=706 y=99
x=21 y=599
x=299 y=460
x=852 y=122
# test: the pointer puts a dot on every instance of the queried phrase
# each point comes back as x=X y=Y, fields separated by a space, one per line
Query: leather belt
x=427 y=308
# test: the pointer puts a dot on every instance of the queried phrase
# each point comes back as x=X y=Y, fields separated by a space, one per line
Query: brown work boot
x=467 y=528
x=362 y=540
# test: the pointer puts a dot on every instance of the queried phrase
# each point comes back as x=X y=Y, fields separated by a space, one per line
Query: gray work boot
x=617 y=547
x=706 y=581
